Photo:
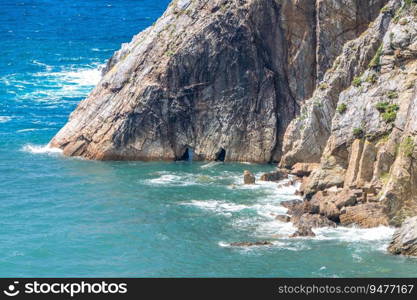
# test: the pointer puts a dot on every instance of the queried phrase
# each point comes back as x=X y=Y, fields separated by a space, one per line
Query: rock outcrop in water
x=220 y=78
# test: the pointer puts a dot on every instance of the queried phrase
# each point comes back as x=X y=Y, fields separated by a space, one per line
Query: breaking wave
x=37 y=149
x=5 y=119
x=52 y=84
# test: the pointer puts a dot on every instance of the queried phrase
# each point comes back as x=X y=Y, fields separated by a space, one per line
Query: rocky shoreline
x=332 y=208
x=327 y=91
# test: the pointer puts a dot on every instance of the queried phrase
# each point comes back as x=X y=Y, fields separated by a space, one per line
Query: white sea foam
x=291 y=246
x=168 y=179
x=182 y=179
x=26 y=130
x=41 y=64
x=51 y=84
x=355 y=234
x=210 y=165
x=37 y=149
x=220 y=207
x=81 y=77
x=5 y=119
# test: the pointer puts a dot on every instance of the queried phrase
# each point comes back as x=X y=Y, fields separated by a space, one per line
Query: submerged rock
x=404 y=241
x=251 y=244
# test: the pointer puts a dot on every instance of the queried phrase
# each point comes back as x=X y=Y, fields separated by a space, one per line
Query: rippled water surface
x=70 y=217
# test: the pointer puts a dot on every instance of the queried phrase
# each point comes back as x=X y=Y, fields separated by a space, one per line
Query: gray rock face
x=405 y=239
x=220 y=78
x=307 y=135
x=365 y=135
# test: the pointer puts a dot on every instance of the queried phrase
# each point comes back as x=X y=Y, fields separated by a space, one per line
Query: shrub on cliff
x=341 y=109
x=388 y=111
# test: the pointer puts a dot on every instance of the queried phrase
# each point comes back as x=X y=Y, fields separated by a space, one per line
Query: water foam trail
x=5 y=119
x=37 y=149
x=182 y=179
x=52 y=84
x=274 y=245
x=220 y=207
x=73 y=78
x=355 y=234
x=210 y=165
x=172 y=180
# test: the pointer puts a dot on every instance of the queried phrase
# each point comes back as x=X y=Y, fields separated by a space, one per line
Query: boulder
x=303 y=231
x=290 y=204
x=248 y=177
x=366 y=215
x=274 y=176
x=304 y=169
x=298 y=209
x=345 y=198
x=329 y=209
x=404 y=241
x=312 y=221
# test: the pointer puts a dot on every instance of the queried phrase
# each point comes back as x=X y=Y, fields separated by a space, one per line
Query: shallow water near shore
x=71 y=217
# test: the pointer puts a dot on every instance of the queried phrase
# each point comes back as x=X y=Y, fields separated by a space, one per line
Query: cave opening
x=188 y=155
x=221 y=155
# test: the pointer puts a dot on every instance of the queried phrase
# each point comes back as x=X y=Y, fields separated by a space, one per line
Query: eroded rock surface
x=361 y=126
x=405 y=239
x=248 y=177
x=220 y=78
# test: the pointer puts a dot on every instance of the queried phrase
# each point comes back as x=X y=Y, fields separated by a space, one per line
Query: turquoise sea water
x=70 y=217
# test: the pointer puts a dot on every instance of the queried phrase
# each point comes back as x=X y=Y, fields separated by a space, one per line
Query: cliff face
x=221 y=78
x=361 y=127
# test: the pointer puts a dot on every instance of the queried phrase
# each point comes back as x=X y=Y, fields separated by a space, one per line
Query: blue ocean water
x=70 y=217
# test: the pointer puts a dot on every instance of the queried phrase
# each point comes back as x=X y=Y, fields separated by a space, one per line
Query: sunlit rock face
x=221 y=78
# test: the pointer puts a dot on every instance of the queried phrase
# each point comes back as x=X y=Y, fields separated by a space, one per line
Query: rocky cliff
x=360 y=125
x=221 y=78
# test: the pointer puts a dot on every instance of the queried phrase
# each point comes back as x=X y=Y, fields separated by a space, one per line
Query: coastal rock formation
x=304 y=169
x=248 y=177
x=366 y=215
x=274 y=176
x=303 y=231
x=361 y=126
x=307 y=135
x=326 y=87
x=220 y=79
x=312 y=221
x=405 y=239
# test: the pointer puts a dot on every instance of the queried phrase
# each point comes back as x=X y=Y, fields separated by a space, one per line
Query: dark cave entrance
x=221 y=155
x=188 y=155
